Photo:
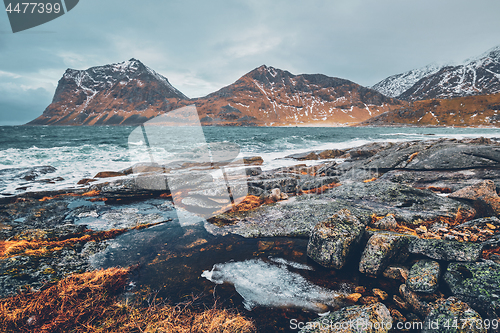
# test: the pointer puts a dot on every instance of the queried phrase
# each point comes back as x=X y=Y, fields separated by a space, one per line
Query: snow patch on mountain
x=395 y=85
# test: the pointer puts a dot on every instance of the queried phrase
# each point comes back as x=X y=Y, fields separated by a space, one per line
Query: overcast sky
x=201 y=46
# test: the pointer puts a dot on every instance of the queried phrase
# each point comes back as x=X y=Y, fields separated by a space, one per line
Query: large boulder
x=431 y=155
x=424 y=276
x=439 y=249
x=453 y=316
x=382 y=249
x=332 y=240
x=477 y=283
x=483 y=196
x=373 y=318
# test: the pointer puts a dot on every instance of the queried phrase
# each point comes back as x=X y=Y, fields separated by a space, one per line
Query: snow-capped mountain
x=124 y=93
x=270 y=96
x=476 y=76
x=130 y=93
x=395 y=85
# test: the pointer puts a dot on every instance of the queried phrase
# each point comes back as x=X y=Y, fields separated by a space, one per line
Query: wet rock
x=354 y=297
x=481 y=222
x=253 y=160
x=317 y=155
x=446 y=250
x=477 y=283
x=432 y=155
x=255 y=171
x=453 y=316
x=482 y=196
x=396 y=272
x=368 y=318
x=383 y=248
x=386 y=223
x=332 y=241
x=86 y=181
x=28 y=174
x=424 y=276
x=108 y=174
x=414 y=300
x=380 y=294
x=143 y=168
x=445 y=181
x=406 y=203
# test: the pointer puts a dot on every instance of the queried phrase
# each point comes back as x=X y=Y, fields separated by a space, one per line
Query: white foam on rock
x=266 y=284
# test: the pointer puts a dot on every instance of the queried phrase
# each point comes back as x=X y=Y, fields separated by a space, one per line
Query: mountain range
x=129 y=93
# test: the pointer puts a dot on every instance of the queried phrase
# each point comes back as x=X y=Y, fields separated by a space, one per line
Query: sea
x=270 y=280
x=75 y=153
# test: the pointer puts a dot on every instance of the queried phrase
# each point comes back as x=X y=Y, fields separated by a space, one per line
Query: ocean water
x=81 y=152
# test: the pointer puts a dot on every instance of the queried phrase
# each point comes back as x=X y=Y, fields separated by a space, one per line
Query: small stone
x=424 y=276
x=275 y=194
x=253 y=160
x=354 y=297
x=414 y=301
x=386 y=223
x=396 y=273
x=369 y=300
x=400 y=303
x=360 y=289
x=380 y=294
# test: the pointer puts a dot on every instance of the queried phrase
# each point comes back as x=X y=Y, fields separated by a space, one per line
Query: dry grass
x=88 y=303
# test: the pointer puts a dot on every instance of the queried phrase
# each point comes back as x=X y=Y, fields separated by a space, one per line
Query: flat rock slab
x=432 y=155
x=446 y=250
x=332 y=240
x=453 y=316
x=383 y=248
x=447 y=180
x=297 y=216
x=424 y=276
x=373 y=318
x=477 y=283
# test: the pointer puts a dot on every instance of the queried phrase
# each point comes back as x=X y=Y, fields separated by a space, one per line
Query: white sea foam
x=267 y=284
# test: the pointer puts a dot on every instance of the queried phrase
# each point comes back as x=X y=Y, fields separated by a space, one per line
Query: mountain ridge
x=129 y=93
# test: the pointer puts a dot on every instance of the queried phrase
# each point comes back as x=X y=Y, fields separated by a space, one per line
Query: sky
x=202 y=46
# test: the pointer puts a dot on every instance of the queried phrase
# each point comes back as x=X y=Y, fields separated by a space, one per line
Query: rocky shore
x=422 y=216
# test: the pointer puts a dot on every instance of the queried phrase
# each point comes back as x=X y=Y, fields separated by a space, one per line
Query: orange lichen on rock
x=439 y=189
x=88 y=303
x=321 y=189
x=488 y=252
x=412 y=156
x=370 y=180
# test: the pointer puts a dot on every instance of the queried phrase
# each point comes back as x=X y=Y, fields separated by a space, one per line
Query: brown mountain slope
x=483 y=110
x=273 y=97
